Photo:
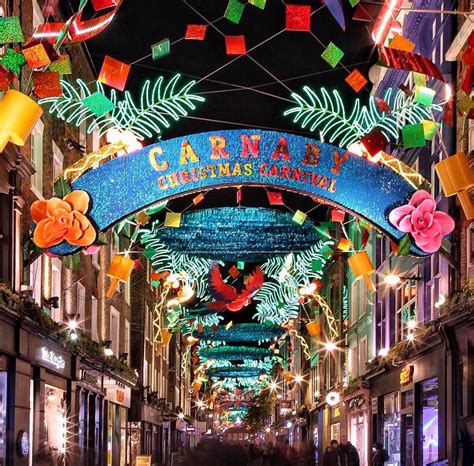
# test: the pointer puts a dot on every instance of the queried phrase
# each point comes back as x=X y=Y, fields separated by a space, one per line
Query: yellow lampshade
x=314 y=329
x=362 y=266
x=165 y=337
x=197 y=385
x=18 y=116
x=119 y=271
x=456 y=177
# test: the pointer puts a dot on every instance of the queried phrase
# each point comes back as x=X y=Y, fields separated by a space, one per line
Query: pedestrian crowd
x=345 y=454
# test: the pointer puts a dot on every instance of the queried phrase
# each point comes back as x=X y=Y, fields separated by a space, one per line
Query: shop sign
x=90 y=378
x=356 y=403
x=143 y=460
x=406 y=375
x=22 y=444
x=285 y=404
x=51 y=358
x=190 y=429
x=117 y=392
x=198 y=162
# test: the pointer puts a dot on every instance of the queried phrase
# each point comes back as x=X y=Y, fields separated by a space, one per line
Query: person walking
x=348 y=455
x=331 y=456
x=380 y=455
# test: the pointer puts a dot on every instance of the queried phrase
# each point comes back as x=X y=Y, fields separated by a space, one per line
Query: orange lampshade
x=362 y=266
x=314 y=329
x=197 y=385
x=456 y=177
x=288 y=376
x=119 y=271
x=18 y=116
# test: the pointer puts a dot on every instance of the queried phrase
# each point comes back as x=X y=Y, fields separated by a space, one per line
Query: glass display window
x=55 y=421
x=429 y=415
x=391 y=427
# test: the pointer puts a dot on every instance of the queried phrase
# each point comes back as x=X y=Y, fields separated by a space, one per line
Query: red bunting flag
x=402 y=60
x=275 y=198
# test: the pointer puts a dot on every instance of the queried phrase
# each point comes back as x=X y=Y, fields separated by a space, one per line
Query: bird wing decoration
x=227 y=296
x=255 y=282
x=221 y=290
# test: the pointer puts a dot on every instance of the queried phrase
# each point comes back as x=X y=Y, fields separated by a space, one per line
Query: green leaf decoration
x=327 y=114
x=404 y=246
x=159 y=106
x=102 y=238
x=61 y=188
x=72 y=262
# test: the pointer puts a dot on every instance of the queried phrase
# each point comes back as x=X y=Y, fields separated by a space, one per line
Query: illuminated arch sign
x=197 y=162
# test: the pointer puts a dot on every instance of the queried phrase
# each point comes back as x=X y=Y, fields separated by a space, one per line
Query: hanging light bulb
x=392 y=279
x=383 y=352
x=330 y=346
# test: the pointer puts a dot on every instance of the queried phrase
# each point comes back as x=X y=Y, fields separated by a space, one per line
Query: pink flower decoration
x=91 y=250
x=421 y=219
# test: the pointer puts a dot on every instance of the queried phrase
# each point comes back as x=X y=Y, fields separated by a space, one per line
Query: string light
x=411 y=324
x=299 y=378
x=392 y=279
x=383 y=352
x=330 y=346
x=411 y=337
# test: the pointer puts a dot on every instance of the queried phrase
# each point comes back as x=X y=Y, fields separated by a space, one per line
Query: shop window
x=94 y=333
x=358 y=299
x=3 y=418
x=407 y=399
x=115 y=330
x=55 y=421
x=58 y=161
x=429 y=406
x=56 y=289
x=470 y=251
x=354 y=362
x=391 y=428
x=37 y=159
x=35 y=279
x=80 y=304
x=405 y=305
x=363 y=355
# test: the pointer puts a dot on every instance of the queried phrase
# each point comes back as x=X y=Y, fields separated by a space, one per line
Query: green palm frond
x=326 y=113
x=160 y=105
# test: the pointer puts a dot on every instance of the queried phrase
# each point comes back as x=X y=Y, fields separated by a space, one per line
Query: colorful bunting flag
x=161 y=49
x=240 y=265
x=198 y=198
x=46 y=84
x=234 y=11
x=337 y=215
x=382 y=106
x=344 y=245
x=13 y=61
x=401 y=43
x=299 y=217
x=6 y=78
x=103 y=4
x=332 y=55
x=424 y=95
x=298 y=17
x=235 y=45
x=420 y=79
x=429 y=129
x=233 y=272
x=275 y=198
x=196 y=31
x=62 y=65
x=258 y=3
x=10 y=30
x=374 y=142
x=114 y=73
x=173 y=219
x=36 y=56
x=98 y=104
x=413 y=136
x=356 y=80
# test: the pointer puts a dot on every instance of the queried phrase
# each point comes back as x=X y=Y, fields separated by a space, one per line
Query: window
x=35 y=279
x=354 y=361
x=127 y=291
x=358 y=299
x=37 y=158
x=3 y=417
x=56 y=289
x=80 y=304
x=405 y=305
x=114 y=330
x=470 y=251
x=126 y=339
x=95 y=140
x=145 y=373
x=94 y=333
x=58 y=160
x=435 y=184
x=363 y=355
x=429 y=406
x=147 y=320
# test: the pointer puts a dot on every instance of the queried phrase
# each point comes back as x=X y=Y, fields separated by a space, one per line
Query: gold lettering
x=158 y=166
x=224 y=169
x=187 y=153
x=218 y=147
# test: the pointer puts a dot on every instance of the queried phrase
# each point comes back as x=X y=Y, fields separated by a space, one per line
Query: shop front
x=90 y=398
x=357 y=409
x=407 y=411
x=117 y=404
x=145 y=432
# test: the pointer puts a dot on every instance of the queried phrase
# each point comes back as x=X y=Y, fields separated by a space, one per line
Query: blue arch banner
x=249 y=157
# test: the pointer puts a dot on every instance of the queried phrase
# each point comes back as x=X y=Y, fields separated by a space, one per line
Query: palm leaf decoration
x=160 y=105
x=326 y=113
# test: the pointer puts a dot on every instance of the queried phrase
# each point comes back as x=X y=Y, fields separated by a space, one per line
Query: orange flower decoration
x=63 y=219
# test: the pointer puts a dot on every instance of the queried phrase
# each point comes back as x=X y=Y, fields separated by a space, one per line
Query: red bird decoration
x=227 y=296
